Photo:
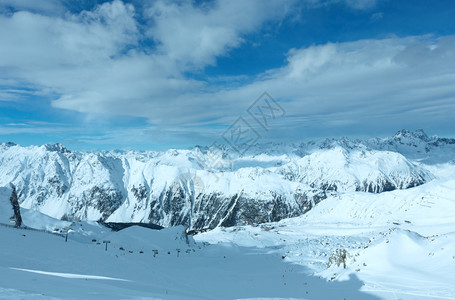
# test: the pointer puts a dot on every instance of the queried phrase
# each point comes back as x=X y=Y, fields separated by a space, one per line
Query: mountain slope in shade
x=6 y=209
x=175 y=187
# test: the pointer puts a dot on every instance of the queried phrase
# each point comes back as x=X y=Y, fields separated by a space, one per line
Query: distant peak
x=418 y=134
x=57 y=147
x=403 y=132
x=10 y=144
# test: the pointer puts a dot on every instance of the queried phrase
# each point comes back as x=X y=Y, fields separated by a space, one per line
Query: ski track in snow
x=69 y=275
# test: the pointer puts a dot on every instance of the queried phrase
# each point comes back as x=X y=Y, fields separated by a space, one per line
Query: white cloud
x=361 y=4
x=85 y=59
x=390 y=83
x=38 y=42
x=377 y=16
x=377 y=85
x=195 y=36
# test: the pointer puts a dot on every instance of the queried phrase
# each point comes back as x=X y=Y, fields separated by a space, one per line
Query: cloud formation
x=195 y=36
x=117 y=60
x=93 y=61
x=371 y=84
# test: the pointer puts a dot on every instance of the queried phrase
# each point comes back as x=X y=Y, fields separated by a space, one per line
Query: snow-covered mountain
x=207 y=187
x=382 y=227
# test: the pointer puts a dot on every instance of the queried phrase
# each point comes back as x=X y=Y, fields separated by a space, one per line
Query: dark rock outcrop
x=16 y=208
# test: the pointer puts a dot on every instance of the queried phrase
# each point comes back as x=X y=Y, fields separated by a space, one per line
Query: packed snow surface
x=145 y=264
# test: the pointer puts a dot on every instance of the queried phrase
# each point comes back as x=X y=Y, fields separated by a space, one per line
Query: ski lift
x=106 y=242
x=66 y=231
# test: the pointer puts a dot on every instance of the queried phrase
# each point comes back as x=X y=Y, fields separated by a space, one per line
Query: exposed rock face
x=16 y=208
x=174 y=188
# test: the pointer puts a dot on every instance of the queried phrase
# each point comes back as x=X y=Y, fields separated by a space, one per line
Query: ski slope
x=400 y=244
x=40 y=265
x=141 y=263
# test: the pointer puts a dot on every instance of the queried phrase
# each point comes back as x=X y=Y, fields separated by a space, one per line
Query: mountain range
x=206 y=187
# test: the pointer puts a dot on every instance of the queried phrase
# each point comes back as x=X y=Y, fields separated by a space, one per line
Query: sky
x=96 y=75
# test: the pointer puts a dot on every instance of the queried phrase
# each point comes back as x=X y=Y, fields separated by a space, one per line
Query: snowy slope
x=400 y=243
x=38 y=265
x=357 y=170
x=185 y=187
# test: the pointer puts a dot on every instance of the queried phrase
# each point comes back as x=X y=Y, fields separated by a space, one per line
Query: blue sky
x=160 y=74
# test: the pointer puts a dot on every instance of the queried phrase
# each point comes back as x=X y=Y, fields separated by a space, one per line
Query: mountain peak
x=9 y=144
x=417 y=134
x=57 y=147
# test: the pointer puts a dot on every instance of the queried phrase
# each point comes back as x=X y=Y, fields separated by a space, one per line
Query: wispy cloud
x=43 y=6
x=20 y=129
x=361 y=4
